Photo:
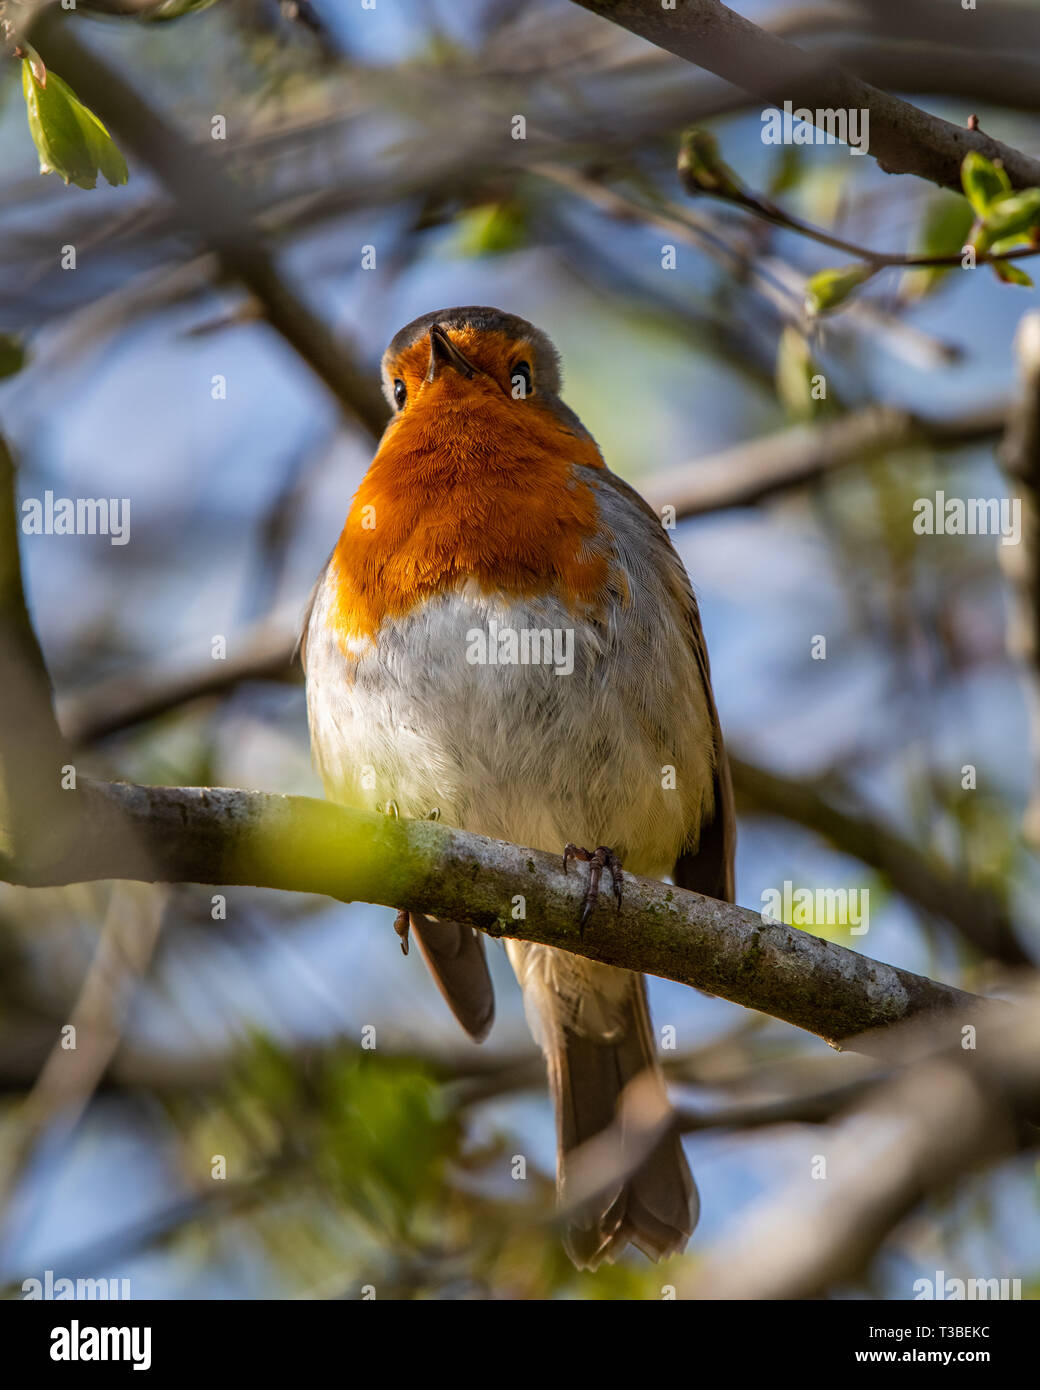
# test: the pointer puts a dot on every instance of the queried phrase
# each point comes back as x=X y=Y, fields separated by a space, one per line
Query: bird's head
x=475 y=357
x=478 y=477
x=479 y=386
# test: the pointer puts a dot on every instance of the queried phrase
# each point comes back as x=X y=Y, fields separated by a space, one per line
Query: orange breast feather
x=470 y=485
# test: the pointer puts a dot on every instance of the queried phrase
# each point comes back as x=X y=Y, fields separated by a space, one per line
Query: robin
x=504 y=637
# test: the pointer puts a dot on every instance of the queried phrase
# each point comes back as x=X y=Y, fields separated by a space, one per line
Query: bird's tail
x=647 y=1199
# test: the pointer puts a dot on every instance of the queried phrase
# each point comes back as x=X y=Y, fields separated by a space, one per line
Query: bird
x=505 y=638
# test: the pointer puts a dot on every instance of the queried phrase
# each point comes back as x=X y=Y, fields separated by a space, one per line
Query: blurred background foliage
x=394 y=1166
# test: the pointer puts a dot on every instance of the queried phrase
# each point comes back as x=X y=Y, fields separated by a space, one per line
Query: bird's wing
x=300 y=649
x=708 y=868
x=707 y=865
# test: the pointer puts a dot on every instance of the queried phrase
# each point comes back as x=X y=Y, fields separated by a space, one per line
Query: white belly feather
x=617 y=752
x=517 y=752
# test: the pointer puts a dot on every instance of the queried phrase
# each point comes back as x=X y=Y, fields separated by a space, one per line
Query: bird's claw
x=599 y=859
x=401 y=928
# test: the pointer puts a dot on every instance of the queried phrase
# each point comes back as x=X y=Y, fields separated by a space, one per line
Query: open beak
x=444 y=353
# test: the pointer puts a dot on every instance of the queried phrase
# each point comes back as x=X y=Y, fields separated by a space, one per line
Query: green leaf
x=387 y=1136
x=701 y=170
x=1011 y=275
x=829 y=288
x=69 y=138
x=491 y=229
x=1008 y=243
x=944 y=232
x=39 y=68
x=983 y=181
x=12 y=355
x=796 y=376
x=1014 y=214
x=787 y=170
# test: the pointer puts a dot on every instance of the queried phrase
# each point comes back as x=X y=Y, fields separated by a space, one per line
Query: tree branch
x=733 y=192
x=759 y=468
x=210 y=204
x=222 y=836
x=977 y=913
x=902 y=138
x=260 y=652
x=916 y=1134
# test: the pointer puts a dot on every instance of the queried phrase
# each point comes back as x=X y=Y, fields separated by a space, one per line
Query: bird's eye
x=400 y=393
x=522 y=381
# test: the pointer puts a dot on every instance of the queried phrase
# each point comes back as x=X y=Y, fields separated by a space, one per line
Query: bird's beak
x=444 y=353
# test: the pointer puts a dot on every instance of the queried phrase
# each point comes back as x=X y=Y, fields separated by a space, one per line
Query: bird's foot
x=599 y=859
x=401 y=928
